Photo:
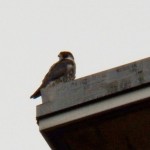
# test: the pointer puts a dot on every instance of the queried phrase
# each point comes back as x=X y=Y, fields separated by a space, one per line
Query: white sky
x=100 y=33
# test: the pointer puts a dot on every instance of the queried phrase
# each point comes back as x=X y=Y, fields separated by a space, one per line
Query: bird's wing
x=56 y=71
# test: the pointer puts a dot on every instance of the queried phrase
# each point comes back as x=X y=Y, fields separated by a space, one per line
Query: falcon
x=62 y=71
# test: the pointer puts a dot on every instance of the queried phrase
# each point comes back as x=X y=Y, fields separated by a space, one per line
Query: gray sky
x=101 y=34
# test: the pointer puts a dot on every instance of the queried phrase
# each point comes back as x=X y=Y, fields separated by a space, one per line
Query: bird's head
x=65 y=55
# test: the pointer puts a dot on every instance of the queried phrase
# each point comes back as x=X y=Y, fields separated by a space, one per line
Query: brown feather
x=62 y=71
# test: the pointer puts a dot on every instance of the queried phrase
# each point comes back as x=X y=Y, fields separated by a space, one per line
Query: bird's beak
x=59 y=56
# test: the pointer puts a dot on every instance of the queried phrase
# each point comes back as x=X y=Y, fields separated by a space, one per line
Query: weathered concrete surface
x=95 y=86
x=98 y=107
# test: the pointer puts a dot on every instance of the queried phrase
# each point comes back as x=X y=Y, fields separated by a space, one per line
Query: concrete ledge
x=94 y=87
x=98 y=107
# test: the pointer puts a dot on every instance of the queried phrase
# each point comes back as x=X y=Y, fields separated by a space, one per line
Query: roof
x=107 y=97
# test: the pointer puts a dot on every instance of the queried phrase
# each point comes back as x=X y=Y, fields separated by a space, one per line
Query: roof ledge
x=94 y=88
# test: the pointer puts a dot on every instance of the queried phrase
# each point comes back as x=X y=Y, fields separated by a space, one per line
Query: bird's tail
x=36 y=94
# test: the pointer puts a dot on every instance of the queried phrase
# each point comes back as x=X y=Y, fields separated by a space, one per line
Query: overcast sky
x=101 y=34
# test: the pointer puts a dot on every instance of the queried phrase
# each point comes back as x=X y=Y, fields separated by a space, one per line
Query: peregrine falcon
x=62 y=71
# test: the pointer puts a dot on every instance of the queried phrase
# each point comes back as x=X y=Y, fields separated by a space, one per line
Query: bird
x=62 y=71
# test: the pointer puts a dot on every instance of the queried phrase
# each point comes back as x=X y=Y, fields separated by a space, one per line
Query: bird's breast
x=70 y=67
